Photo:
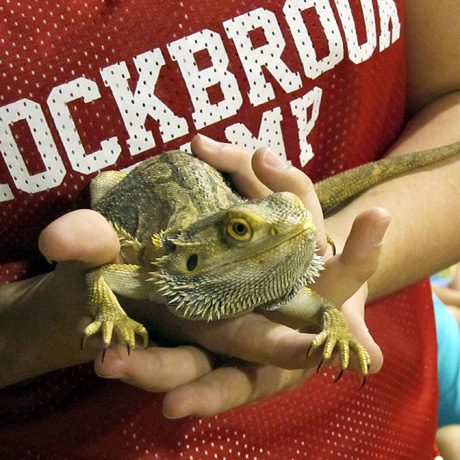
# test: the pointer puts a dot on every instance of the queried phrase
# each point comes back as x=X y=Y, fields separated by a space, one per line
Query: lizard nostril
x=192 y=262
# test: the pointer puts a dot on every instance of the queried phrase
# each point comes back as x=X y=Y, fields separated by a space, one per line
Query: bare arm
x=423 y=237
x=41 y=318
x=432 y=32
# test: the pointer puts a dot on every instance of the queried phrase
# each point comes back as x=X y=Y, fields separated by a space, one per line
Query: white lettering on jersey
x=388 y=12
x=314 y=67
x=214 y=91
x=198 y=81
x=58 y=99
x=54 y=170
x=300 y=109
x=270 y=133
x=5 y=193
x=267 y=55
x=358 y=52
x=135 y=107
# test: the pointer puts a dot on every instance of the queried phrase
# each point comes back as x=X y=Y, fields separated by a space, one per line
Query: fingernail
x=210 y=144
x=273 y=160
x=178 y=411
x=174 y=416
x=378 y=231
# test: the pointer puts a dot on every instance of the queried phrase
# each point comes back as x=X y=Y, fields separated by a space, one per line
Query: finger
x=279 y=176
x=230 y=386
x=83 y=235
x=270 y=173
x=253 y=338
x=233 y=160
x=155 y=369
x=250 y=337
x=348 y=271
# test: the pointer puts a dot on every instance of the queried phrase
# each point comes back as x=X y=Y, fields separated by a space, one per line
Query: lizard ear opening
x=192 y=262
x=164 y=242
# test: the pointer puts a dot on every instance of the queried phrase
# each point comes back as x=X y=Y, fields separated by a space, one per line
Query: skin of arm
x=41 y=318
x=409 y=249
x=423 y=237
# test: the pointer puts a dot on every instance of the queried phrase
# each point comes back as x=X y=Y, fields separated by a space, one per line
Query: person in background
x=446 y=286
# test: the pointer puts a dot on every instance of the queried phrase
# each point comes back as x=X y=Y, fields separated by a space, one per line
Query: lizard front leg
x=108 y=314
x=308 y=306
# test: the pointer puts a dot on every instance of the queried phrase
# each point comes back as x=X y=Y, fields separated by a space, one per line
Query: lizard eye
x=239 y=229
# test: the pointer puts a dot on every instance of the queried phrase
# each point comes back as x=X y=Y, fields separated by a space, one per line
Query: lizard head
x=253 y=254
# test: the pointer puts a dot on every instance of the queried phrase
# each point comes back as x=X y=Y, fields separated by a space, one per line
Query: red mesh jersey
x=95 y=85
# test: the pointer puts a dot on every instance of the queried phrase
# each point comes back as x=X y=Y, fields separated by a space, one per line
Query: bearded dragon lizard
x=189 y=241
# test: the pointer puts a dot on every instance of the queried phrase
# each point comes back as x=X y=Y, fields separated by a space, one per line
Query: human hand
x=344 y=280
x=194 y=381
x=83 y=239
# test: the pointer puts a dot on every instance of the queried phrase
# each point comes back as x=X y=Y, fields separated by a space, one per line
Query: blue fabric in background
x=448 y=336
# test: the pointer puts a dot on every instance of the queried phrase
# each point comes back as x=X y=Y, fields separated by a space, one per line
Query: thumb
x=279 y=176
x=83 y=236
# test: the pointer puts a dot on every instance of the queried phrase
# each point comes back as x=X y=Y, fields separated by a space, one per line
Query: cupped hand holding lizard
x=237 y=361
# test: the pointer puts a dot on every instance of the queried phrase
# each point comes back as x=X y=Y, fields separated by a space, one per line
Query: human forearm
x=13 y=335
x=35 y=333
x=423 y=236
x=41 y=319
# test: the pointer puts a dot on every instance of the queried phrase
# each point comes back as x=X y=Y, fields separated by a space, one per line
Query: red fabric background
x=73 y=415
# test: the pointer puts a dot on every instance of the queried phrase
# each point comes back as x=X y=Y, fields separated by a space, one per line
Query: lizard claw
x=336 y=333
x=125 y=328
x=103 y=352
x=339 y=376
x=364 y=379
x=320 y=365
x=88 y=331
x=83 y=341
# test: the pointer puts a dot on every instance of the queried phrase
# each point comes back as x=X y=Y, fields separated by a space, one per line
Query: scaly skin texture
x=192 y=243
x=336 y=190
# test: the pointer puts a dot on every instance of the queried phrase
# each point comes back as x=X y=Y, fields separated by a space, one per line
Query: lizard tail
x=336 y=190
